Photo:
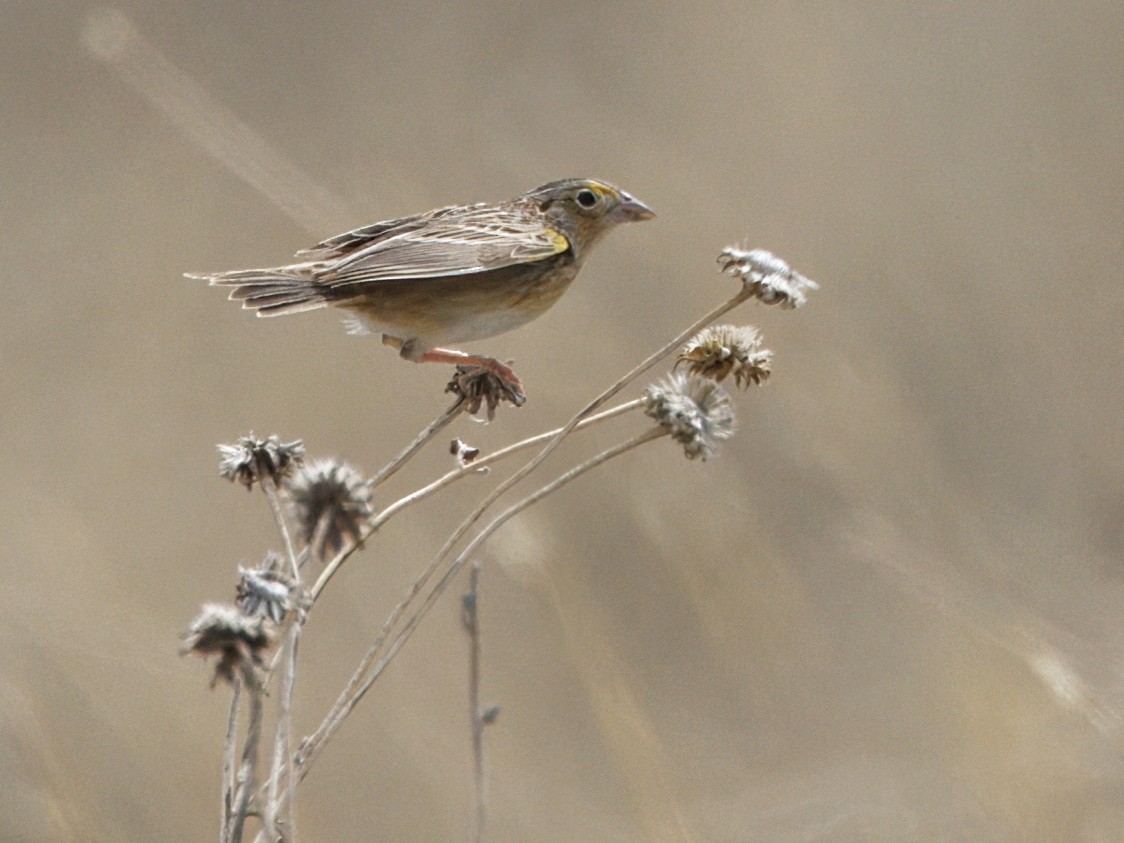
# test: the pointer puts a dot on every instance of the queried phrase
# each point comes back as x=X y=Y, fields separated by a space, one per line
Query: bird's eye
x=586 y=198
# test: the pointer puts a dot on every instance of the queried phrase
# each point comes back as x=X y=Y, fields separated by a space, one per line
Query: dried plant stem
x=472 y=616
x=443 y=481
x=333 y=566
x=312 y=745
x=475 y=709
x=245 y=781
x=363 y=679
x=282 y=769
x=427 y=433
x=273 y=495
x=501 y=519
x=553 y=439
x=228 y=761
x=357 y=686
x=480 y=462
x=352 y=692
x=743 y=294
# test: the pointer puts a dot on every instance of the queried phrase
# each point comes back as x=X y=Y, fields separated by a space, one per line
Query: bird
x=449 y=276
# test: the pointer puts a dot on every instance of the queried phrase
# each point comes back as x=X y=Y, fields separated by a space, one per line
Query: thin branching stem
x=282 y=737
x=333 y=566
x=553 y=439
x=475 y=709
x=359 y=685
x=743 y=294
x=369 y=668
x=474 y=467
x=249 y=756
x=427 y=433
x=346 y=700
x=479 y=463
x=282 y=769
x=273 y=495
x=504 y=517
x=290 y=818
x=228 y=755
x=312 y=745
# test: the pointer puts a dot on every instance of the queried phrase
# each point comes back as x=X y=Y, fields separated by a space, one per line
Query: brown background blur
x=891 y=610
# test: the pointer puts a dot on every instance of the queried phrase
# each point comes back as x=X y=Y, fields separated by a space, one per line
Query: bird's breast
x=457 y=309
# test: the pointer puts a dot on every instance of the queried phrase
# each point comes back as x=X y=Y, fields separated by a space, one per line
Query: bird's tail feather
x=271 y=292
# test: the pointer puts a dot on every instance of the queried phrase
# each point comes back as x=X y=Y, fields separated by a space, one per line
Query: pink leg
x=459 y=358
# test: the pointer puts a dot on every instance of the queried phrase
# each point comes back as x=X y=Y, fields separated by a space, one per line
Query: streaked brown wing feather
x=342 y=244
x=454 y=241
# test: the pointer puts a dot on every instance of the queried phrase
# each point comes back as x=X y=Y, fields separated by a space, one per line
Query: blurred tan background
x=891 y=610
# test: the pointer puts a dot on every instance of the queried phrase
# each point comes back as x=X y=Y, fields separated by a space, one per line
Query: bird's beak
x=631 y=210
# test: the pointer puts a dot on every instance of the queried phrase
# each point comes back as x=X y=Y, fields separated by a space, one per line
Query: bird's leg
x=410 y=351
x=491 y=364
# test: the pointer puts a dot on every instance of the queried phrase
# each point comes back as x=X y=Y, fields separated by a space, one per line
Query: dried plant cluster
x=325 y=511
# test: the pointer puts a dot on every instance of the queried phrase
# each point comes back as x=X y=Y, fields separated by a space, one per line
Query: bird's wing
x=451 y=241
x=341 y=245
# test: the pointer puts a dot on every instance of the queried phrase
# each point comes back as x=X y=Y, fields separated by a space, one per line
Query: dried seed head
x=463 y=452
x=770 y=279
x=331 y=504
x=250 y=459
x=477 y=386
x=237 y=639
x=723 y=350
x=266 y=590
x=696 y=411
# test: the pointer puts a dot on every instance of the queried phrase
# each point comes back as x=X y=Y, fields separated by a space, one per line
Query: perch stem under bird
x=449 y=276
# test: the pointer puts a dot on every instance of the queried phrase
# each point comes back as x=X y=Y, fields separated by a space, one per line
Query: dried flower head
x=237 y=639
x=331 y=504
x=250 y=459
x=266 y=590
x=463 y=452
x=723 y=350
x=477 y=386
x=770 y=279
x=696 y=411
